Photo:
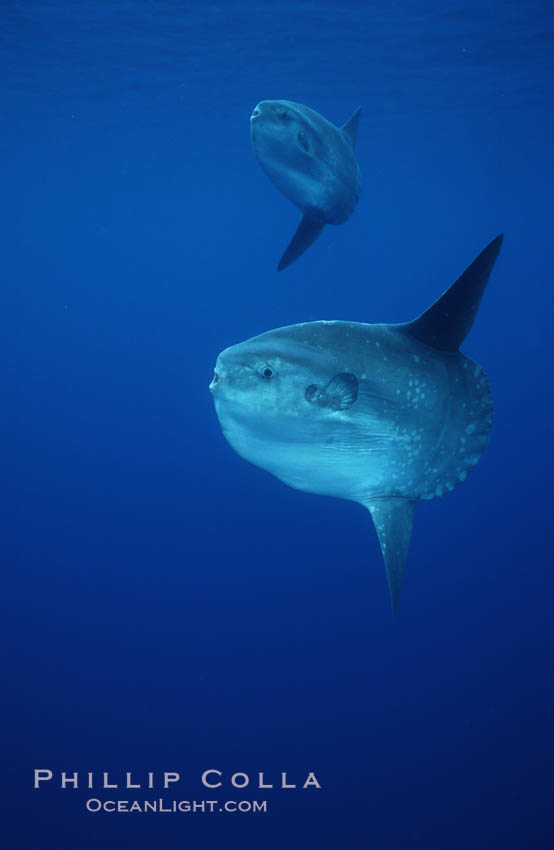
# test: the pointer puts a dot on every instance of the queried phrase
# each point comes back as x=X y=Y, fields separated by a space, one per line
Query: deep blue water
x=165 y=604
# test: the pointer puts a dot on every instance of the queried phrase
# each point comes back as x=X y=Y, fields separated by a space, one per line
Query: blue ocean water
x=167 y=606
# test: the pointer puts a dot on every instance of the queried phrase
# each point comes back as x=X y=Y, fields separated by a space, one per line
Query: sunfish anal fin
x=350 y=129
x=393 y=522
x=306 y=234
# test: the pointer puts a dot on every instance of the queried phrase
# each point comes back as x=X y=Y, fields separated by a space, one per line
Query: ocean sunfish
x=383 y=415
x=311 y=162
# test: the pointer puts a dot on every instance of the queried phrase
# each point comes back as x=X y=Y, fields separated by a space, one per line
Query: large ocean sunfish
x=311 y=162
x=384 y=415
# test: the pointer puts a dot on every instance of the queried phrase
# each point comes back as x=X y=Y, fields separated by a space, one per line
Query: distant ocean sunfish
x=311 y=162
x=384 y=415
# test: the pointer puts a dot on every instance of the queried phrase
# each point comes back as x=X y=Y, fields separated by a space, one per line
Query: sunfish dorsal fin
x=447 y=322
x=306 y=234
x=393 y=522
x=350 y=129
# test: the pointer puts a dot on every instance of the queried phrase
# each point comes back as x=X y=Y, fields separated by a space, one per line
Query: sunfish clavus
x=384 y=415
x=311 y=162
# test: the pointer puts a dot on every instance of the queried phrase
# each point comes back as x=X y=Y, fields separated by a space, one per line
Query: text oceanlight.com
x=176 y=806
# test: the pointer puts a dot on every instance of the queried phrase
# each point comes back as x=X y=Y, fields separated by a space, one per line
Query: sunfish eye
x=267 y=372
x=303 y=141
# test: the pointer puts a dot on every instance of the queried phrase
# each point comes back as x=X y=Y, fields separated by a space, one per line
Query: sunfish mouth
x=256 y=113
x=214 y=380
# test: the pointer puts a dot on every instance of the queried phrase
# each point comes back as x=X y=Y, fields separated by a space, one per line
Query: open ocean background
x=165 y=605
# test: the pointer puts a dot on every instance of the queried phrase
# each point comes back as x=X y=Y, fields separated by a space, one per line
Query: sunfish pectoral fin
x=350 y=129
x=306 y=234
x=340 y=393
x=447 y=322
x=393 y=522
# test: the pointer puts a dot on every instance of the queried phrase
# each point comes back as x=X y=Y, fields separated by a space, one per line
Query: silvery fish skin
x=311 y=162
x=383 y=415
